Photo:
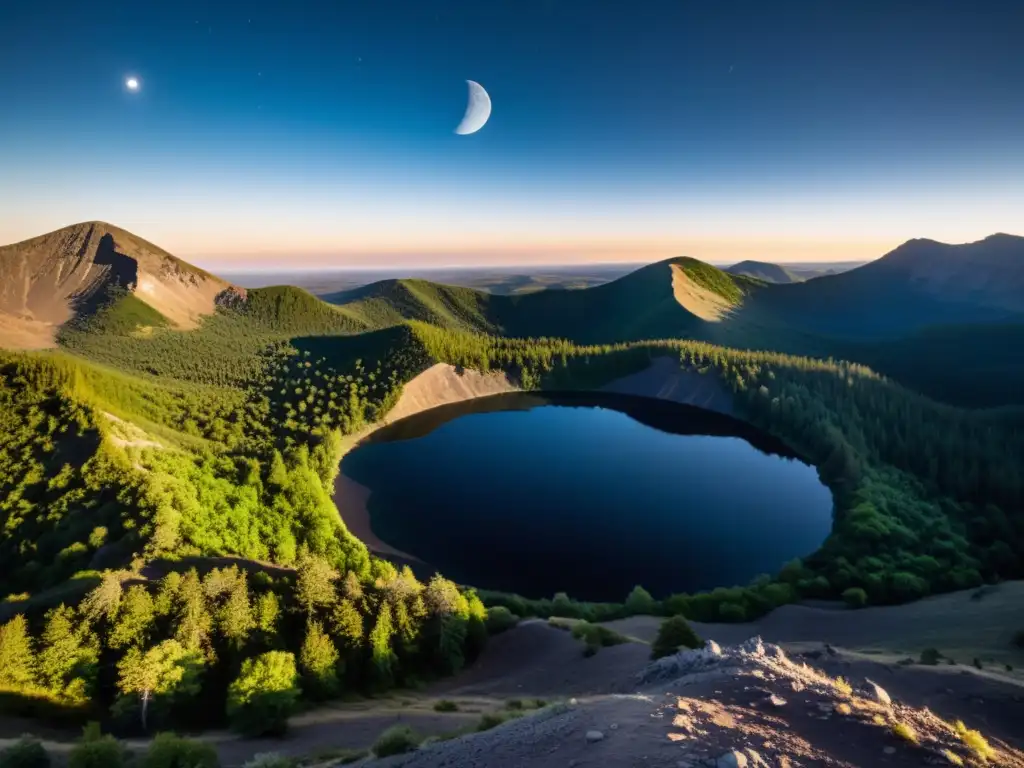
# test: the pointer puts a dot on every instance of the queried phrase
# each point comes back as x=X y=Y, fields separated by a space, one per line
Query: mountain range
x=901 y=306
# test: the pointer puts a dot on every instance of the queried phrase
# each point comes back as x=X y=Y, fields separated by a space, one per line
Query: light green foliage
x=264 y=694
x=171 y=751
x=25 y=753
x=191 y=613
x=17 y=661
x=596 y=637
x=68 y=656
x=271 y=760
x=673 y=634
x=980 y=749
x=164 y=676
x=315 y=583
x=382 y=657
x=396 y=740
x=134 y=620
x=318 y=660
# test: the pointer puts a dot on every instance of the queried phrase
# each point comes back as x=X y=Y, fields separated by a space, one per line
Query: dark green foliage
x=444 y=705
x=640 y=602
x=264 y=695
x=855 y=597
x=674 y=633
x=732 y=612
x=97 y=751
x=396 y=740
x=596 y=637
x=25 y=753
x=930 y=656
x=170 y=751
x=500 y=619
x=1018 y=638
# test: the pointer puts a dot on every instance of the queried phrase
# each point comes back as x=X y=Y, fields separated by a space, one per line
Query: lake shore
x=351 y=500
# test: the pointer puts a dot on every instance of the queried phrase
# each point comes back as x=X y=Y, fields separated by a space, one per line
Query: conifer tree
x=134 y=620
x=17 y=661
x=318 y=660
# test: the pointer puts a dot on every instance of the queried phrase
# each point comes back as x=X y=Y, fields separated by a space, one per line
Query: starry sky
x=272 y=134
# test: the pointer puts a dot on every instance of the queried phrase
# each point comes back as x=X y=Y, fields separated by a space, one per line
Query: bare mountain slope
x=51 y=279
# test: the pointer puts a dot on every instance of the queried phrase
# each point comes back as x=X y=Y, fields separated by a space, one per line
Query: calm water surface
x=589 y=495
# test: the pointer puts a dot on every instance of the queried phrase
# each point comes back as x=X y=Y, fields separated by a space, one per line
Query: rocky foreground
x=745 y=705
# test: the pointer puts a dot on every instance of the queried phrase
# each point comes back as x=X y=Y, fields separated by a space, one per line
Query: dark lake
x=590 y=495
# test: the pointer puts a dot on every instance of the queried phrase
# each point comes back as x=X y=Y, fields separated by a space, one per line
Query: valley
x=160 y=420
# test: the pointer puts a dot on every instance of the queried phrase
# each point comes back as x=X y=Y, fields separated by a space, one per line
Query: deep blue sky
x=324 y=130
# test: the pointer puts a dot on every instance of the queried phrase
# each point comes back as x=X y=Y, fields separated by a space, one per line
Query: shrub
x=396 y=740
x=25 y=753
x=1018 y=638
x=97 y=752
x=596 y=637
x=270 y=760
x=977 y=663
x=673 y=634
x=930 y=656
x=264 y=694
x=842 y=687
x=640 y=601
x=170 y=751
x=444 y=705
x=855 y=597
x=494 y=719
x=843 y=708
x=952 y=757
x=500 y=619
x=514 y=704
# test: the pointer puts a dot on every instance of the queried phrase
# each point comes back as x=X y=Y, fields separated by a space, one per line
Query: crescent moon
x=477 y=110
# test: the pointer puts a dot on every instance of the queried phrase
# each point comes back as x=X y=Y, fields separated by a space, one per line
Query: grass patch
x=952 y=757
x=596 y=637
x=396 y=740
x=514 y=704
x=494 y=719
x=974 y=741
x=905 y=732
x=843 y=708
x=444 y=705
x=842 y=686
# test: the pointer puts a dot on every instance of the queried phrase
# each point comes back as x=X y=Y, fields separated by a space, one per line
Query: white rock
x=878 y=692
x=731 y=759
x=572 y=702
x=613 y=726
x=777 y=701
x=594 y=736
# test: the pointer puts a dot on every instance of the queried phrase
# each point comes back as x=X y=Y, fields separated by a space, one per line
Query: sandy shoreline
x=350 y=498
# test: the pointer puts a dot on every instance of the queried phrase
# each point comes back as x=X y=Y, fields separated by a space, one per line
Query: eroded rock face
x=231 y=297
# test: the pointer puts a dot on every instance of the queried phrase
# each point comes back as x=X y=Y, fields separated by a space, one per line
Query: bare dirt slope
x=962 y=625
x=48 y=280
x=442 y=384
x=697 y=300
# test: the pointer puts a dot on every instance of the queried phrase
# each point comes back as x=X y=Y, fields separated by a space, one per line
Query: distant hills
x=70 y=285
x=53 y=279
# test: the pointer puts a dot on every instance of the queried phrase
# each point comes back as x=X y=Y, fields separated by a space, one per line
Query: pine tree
x=167 y=672
x=17 y=662
x=382 y=657
x=314 y=586
x=318 y=659
x=191 y=614
x=68 y=655
x=347 y=625
x=104 y=601
x=235 y=617
x=134 y=620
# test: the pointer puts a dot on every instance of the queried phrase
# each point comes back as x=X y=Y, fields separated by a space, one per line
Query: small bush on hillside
x=396 y=740
x=494 y=719
x=271 y=760
x=855 y=597
x=170 y=751
x=596 y=637
x=952 y=757
x=1018 y=638
x=25 y=753
x=500 y=619
x=977 y=663
x=514 y=704
x=446 y=706
x=97 y=752
x=842 y=687
x=673 y=634
x=930 y=656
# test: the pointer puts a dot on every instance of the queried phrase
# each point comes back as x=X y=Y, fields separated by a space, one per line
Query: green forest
x=174 y=555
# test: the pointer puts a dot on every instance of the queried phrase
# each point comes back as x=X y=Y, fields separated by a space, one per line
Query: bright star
x=132 y=83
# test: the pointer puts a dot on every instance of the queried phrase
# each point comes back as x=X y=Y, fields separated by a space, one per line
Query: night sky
x=287 y=133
